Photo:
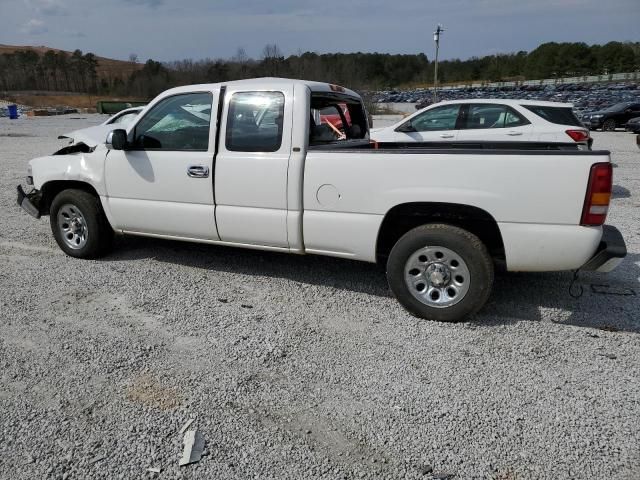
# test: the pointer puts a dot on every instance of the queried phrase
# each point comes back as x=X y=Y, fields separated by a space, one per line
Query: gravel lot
x=303 y=367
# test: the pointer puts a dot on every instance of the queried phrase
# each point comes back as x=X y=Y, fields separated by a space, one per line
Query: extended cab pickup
x=251 y=164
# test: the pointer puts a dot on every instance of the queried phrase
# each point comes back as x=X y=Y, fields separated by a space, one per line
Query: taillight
x=578 y=135
x=596 y=203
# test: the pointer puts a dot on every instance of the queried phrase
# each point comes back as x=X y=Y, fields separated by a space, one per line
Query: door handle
x=514 y=134
x=198 y=171
x=446 y=135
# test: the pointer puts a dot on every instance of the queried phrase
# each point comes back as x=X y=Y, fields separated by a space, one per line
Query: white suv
x=483 y=120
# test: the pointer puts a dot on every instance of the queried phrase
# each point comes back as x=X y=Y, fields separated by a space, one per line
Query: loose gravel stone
x=108 y=358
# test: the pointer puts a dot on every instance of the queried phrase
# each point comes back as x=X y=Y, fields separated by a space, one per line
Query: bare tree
x=271 y=50
x=272 y=59
x=241 y=59
x=240 y=56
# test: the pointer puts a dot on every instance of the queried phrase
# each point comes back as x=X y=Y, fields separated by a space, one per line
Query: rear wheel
x=609 y=125
x=440 y=272
x=79 y=225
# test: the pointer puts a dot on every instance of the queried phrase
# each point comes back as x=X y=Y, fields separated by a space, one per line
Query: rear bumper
x=29 y=202
x=610 y=253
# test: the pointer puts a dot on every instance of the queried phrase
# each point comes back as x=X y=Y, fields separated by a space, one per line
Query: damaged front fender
x=80 y=147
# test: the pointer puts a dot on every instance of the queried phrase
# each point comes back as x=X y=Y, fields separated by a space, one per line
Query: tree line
x=51 y=71
x=77 y=72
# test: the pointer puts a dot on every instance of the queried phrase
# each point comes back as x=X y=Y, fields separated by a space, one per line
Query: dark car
x=613 y=117
x=633 y=125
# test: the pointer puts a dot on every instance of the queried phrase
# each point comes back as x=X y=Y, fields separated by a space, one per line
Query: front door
x=436 y=124
x=162 y=183
x=251 y=167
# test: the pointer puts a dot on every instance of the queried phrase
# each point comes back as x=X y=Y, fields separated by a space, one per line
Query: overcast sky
x=178 y=29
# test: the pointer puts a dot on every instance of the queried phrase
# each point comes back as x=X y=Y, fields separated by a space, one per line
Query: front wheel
x=79 y=225
x=440 y=272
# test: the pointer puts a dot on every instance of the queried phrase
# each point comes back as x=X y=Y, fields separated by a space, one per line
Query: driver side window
x=439 y=118
x=177 y=123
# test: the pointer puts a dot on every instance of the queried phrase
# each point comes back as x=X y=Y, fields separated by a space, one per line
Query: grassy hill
x=106 y=68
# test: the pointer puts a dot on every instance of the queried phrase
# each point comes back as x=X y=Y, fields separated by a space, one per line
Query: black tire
x=98 y=238
x=609 y=125
x=462 y=244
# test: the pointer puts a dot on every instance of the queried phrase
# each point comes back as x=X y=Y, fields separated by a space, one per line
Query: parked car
x=98 y=133
x=614 y=116
x=244 y=164
x=633 y=125
x=587 y=97
x=490 y=120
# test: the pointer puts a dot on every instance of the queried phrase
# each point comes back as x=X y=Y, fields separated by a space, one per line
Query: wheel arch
x=406 y=216
x=50 y=189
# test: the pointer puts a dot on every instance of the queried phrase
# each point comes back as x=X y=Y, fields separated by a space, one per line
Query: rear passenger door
x=251 y=167
x=436 y=124
x=494 y=122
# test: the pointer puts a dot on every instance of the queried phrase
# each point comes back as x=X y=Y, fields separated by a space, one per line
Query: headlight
x=597 y=116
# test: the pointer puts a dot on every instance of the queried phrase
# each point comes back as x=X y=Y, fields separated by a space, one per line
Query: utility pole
x=436 y=38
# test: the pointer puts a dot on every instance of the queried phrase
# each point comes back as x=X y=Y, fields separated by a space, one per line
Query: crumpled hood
x=92 y=136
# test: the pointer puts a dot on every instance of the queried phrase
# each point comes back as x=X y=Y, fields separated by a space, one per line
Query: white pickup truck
x=251 y=164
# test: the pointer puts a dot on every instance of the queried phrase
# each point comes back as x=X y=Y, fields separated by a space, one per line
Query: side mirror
x=117 y=139
x=406 y=128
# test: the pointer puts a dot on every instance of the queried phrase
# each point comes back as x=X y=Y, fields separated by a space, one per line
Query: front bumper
x=610 y=253
x=29 y=202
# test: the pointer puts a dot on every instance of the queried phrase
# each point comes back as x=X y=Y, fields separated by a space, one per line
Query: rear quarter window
x=254 y=122
x=557 y=115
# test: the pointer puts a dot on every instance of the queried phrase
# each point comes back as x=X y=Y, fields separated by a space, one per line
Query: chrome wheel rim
x=73 y=226
x=437 y=276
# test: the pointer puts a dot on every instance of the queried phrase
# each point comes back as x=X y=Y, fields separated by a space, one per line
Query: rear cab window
x=337 y=119
x=557 y=115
